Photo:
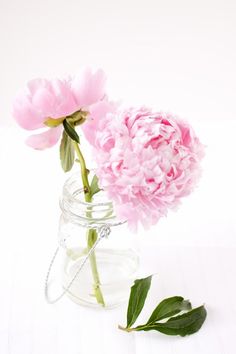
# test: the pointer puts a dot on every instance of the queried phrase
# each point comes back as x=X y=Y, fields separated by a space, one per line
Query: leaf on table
x=182 y=325
x=137 y=299
x=169 y=307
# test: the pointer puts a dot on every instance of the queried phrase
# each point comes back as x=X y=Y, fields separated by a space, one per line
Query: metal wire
x=104 y=231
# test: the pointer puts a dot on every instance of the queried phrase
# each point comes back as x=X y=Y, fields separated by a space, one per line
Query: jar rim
x=79 y=210
x=78 y=192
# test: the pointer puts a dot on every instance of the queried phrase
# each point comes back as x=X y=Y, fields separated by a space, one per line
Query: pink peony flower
x=146 y=161
x=43 y=99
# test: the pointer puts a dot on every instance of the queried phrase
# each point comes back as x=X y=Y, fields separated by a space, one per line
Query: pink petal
x=54 y=99
x=98 y=112
x=44 y=101
x=65 y=103
x=34 y=84
x=88 y=88
x=25 y=114
x=44 y=140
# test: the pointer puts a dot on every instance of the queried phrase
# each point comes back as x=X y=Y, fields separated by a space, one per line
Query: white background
x=177 y=56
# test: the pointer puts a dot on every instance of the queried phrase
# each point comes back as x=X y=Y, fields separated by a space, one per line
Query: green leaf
x=181 y=325
x=94 y=186
x=137 y=299
x=169 y=307
x=67 y=152
x=71 y=131
x=52 y=123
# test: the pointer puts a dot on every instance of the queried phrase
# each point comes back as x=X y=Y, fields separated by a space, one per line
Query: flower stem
x=91 y=239
x=84 y=173
x=91 y=234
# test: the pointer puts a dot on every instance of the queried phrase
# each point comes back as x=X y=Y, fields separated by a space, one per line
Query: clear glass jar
x=110 y=270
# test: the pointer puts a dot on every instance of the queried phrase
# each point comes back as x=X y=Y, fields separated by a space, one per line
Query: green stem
x=91 y=234
x=84 y=173
x=91 y=239
x=126 y=329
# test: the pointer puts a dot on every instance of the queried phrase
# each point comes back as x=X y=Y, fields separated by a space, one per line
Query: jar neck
x=91 y=215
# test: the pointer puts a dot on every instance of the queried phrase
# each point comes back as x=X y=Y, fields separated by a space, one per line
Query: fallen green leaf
x=169 y=307
x=182 y=325
x=137 y=299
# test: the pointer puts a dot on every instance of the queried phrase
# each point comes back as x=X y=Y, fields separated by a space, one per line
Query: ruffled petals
x=147 y=162
x=96 y=119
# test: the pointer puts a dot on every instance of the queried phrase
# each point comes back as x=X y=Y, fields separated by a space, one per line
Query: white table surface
x=192 y=252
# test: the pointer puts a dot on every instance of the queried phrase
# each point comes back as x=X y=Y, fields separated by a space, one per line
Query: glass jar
x=109 y=271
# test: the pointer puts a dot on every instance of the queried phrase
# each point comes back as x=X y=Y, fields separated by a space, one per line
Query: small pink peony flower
x=146 y=161
x=43 y=99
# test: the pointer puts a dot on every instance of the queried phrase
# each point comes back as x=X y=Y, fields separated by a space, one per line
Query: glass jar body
x=109 y=271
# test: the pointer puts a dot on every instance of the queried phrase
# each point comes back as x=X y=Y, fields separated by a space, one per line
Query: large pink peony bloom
x=42 y=99
x=146 y=162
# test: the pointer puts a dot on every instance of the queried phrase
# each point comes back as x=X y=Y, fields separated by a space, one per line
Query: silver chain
x=103 y=231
